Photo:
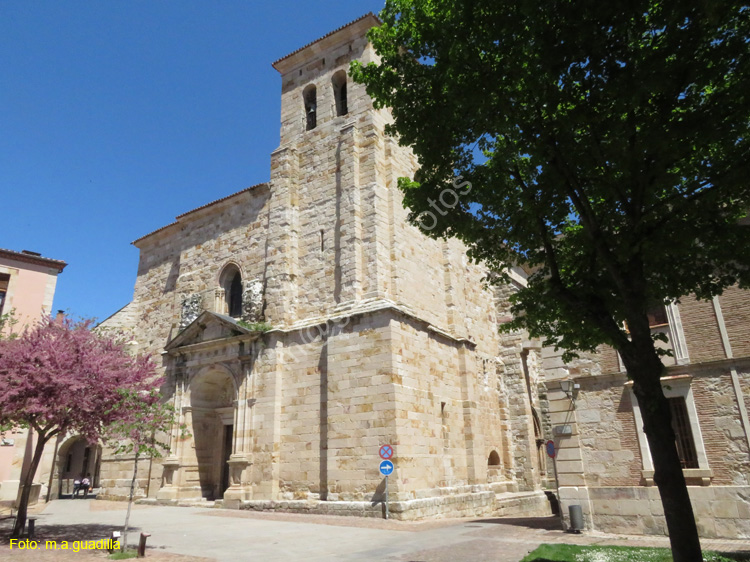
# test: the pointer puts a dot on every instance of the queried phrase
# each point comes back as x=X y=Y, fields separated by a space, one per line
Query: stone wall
x=600 y=455
x=187 y=259
x=378 y=335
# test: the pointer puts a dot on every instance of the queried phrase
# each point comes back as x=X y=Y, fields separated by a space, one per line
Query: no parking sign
x=550 y=446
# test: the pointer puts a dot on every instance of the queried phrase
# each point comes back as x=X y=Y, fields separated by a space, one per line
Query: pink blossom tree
x=59 y=378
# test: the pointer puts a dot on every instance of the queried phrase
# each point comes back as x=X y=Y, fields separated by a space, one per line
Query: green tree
x=605 y=144
x=8 y=323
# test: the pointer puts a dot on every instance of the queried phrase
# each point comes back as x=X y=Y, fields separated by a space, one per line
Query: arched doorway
x=76 y=457
x=212 y=410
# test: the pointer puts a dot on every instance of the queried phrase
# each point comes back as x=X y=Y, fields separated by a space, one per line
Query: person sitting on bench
x=76 y=486
x=86 y=485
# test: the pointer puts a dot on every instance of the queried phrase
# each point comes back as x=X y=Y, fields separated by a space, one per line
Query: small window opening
x=231 y=282
x=322 y=241
x=86 y=459
x=657 y=316
x=235 y=296
x=4 y=282
x=339 y=92
x=494 y=459
x=311 y=107
x=683 y=433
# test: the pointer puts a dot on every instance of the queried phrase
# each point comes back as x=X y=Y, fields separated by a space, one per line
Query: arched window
x=339 y=92
x=494 y=459
x=310 y=97
x=231 y=282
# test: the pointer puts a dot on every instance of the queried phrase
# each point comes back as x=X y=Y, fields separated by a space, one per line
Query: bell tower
x=331 y=181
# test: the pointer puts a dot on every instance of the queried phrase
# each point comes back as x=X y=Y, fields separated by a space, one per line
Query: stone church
x=302 y=324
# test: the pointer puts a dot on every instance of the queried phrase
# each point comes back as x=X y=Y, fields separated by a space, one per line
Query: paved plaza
x=188 y=534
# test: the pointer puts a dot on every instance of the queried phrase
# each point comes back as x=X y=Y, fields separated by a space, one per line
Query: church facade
x=302 y=324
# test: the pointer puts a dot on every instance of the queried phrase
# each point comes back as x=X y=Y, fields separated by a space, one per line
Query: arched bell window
x=231 y=282
x=339 y=92
x=310 y=97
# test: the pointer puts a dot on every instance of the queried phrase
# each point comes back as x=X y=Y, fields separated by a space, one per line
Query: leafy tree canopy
x=606 y=144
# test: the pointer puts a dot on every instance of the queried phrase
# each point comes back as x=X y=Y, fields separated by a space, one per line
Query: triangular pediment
x=209 y=326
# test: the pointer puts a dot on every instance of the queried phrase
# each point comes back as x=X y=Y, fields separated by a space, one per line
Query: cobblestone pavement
x=200 y=535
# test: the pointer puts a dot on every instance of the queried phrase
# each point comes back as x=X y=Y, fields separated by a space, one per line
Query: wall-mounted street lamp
x=570 y=388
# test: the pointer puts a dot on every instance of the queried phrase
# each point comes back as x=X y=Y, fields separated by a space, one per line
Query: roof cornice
x=33 y=259
x=295 y=58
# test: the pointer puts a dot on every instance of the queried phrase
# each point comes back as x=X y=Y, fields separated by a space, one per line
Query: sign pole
x=552 y=452
x=386 y=496
x=386 y=467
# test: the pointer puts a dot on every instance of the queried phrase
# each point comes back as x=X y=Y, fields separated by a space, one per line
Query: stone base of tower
x=465 y=501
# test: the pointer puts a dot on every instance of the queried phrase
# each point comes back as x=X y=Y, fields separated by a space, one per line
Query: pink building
x=27 y=287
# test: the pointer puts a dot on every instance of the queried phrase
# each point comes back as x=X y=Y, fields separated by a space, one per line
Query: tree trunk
x=28 y=480
x=130 y=502
x=646 y=369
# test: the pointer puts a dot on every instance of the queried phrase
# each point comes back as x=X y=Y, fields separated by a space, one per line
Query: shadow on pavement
x=77 y=532
x=551 y=523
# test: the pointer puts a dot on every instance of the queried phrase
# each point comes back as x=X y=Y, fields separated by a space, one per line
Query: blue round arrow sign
x=386 y=467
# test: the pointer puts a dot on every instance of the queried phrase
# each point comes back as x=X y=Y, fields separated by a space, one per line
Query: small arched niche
x=494 y=460
x=310 y=98
x=338 y=80
x=231 y=282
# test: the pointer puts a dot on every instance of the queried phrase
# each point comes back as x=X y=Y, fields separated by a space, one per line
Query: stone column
x=266 y=419
x=282 y=238
x=475 y=461
x=376 y=246
x=348 y=233
x=171 y=462
x=240 y=488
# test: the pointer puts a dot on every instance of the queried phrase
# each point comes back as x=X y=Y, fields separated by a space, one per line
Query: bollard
x=142 y=545
x=114 y=538
x=32 y=525
x=576 y=518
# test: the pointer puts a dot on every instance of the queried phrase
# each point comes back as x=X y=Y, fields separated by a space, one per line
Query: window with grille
x=683 y=433
x=4 y=281
x=657 y=316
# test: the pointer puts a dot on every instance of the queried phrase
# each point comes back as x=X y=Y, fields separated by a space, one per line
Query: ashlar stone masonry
x=354 y=330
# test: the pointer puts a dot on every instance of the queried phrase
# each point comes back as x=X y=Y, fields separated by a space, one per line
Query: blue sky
x=117 y=116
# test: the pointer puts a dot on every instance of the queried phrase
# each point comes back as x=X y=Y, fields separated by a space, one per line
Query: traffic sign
x=550 y=446
x=386 y=452
x=386 y=467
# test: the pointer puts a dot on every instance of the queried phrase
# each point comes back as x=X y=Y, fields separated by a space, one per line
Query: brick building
x=604 y=462
x=303 y=324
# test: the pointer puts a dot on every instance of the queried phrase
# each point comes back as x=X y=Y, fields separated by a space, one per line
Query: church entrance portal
x=212 y=408
x=228 y=434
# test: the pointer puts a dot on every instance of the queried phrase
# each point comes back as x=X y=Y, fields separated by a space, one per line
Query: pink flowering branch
x=60 y=377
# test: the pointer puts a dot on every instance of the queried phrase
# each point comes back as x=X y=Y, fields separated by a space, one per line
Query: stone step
x=522 y=504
